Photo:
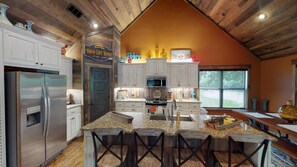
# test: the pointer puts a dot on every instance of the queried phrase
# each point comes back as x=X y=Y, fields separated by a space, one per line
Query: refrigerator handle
x=49 y=113
x=45 y=110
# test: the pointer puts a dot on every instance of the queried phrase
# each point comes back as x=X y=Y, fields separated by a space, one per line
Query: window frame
x=221 y=89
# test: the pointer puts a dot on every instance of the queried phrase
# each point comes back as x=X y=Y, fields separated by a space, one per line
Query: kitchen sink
x=163 y=117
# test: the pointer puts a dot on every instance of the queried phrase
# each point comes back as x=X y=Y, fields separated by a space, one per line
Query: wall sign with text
x=98 y=53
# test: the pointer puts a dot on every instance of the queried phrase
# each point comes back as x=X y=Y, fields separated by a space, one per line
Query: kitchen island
x=142 y=120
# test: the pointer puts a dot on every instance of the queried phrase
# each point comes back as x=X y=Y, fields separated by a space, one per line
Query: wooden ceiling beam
x=285 y=52
x=277 y=46
x=41 y=24
x=60 y=14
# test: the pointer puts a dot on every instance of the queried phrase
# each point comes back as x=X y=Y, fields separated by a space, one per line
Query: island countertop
x=142 y=120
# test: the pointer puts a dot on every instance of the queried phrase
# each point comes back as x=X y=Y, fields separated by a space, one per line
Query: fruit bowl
x=288 y=112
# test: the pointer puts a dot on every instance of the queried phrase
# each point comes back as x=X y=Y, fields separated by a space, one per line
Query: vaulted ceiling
x=273 y=37
x=276 y=36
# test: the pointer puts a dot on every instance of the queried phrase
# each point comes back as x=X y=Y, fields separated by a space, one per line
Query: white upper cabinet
x=26 y=49
x=183 y=75
x=172 y=78
x=131 y=75
x=66 y=69
x=156 y=67
x=122 y=75
x=20 y=50
x=49 y=56
x=139 y=73
x=193 y=75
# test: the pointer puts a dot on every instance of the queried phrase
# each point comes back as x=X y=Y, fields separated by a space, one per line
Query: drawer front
x=185 y=112
x=134 y=105
x=120 y=104
x=182 y=105
x=120 y=109
x=134 y=110
x=73 y=111
x=195 y=106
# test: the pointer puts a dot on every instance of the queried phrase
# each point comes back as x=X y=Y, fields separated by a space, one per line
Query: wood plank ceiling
x=53 y=20
x=273 y=37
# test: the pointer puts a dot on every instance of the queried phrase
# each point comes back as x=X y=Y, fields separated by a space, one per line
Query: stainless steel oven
x=156 y=106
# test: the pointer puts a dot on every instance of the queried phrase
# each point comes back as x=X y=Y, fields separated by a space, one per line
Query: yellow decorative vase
x=163 y=54
x=288 y=112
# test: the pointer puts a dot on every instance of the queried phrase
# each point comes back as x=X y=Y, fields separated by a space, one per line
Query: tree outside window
x=222 y=88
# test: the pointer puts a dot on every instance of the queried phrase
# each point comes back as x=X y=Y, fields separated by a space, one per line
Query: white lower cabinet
x=187 y=108
x=129 y=106
x=73 y=122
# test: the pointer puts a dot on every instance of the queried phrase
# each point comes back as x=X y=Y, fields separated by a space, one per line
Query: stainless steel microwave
x=156 y=82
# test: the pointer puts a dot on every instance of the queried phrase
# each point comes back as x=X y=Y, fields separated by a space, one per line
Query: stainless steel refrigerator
x=35 y=117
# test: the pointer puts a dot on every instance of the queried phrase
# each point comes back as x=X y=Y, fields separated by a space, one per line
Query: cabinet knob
x=36 y=63
x=41 y=64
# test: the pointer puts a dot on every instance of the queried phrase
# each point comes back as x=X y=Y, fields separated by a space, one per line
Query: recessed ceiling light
x=95 y=25
x=262 y=16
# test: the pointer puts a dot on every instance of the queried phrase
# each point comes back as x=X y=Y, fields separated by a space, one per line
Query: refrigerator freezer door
x=30 y=112
x=56 y=126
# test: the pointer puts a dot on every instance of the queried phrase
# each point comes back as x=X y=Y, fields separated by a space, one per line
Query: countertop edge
x=69 y=106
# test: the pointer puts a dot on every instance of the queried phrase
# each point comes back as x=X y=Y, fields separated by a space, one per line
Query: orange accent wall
x=277 y=81
x=175 y=24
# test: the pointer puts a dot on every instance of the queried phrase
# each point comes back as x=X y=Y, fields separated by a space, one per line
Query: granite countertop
x=185 y=101
x=72 y=105
x=131 y=100
x=141 y=120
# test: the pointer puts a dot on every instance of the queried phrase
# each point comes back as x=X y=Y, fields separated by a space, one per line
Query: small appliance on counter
x=122 y=94
x=69 y=99
x=169 y=96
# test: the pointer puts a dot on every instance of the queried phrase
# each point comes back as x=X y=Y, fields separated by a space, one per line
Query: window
x=223 y=88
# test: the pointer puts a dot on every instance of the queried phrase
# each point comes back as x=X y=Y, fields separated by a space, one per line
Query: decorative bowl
x=288 y=112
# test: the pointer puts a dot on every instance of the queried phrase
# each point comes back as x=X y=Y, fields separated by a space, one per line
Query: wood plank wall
x=110 y=38
x=75 y=52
